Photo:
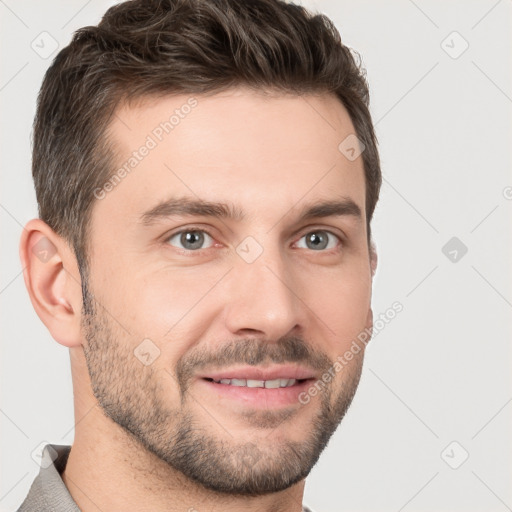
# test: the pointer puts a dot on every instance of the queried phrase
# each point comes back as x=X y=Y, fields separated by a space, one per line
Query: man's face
x=184 y=298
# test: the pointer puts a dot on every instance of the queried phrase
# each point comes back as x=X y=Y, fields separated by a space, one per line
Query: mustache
x=251 y=351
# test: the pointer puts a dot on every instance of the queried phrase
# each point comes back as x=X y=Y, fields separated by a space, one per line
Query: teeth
x=269 y=384
x=273 y=384
x=255 y=383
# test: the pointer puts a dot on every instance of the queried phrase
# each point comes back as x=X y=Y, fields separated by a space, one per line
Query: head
x=210 y=169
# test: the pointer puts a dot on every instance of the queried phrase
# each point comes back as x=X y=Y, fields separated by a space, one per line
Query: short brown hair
x=156 y=47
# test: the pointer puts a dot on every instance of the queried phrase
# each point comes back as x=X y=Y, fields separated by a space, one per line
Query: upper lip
x=261 y=373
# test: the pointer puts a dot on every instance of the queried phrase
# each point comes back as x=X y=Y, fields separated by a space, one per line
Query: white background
x=440 y=371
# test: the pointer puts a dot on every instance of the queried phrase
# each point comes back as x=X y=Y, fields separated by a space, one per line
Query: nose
x=263 y=299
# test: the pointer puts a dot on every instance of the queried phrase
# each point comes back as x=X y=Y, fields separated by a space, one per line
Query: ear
x=53 y=282
x=373 y=268
x=373 y=257
x=369 y=325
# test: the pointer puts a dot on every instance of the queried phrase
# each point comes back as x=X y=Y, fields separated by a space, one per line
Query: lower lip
x=259 y=397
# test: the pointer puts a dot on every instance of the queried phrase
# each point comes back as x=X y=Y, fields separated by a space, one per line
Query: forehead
x=265 y=154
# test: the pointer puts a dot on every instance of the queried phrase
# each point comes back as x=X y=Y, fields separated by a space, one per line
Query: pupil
x=192 y=239
x=317 y=241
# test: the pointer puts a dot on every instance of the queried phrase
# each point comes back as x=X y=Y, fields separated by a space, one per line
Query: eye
x=319 y=240
x=190 y=239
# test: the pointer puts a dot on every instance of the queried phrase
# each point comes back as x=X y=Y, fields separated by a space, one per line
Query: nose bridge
x=261 y=293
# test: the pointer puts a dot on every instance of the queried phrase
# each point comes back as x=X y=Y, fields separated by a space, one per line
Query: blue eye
x=191 y=239
x=319 y=240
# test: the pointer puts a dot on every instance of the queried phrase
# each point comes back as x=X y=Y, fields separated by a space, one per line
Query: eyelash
x=189 y=252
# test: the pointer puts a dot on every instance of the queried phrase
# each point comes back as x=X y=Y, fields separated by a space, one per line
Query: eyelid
x=337 y=232
x=191 y=227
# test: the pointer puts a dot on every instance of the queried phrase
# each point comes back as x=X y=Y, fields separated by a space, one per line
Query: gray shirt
x=48 y=491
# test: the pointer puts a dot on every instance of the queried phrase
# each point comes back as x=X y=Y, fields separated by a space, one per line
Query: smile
x=250 y=383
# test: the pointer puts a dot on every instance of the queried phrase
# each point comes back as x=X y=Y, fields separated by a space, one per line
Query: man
x=206 y=173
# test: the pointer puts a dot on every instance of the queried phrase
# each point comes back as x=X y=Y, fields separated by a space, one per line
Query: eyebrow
x=198 y=207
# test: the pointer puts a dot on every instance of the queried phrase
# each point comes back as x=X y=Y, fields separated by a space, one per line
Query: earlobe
x=52 y=281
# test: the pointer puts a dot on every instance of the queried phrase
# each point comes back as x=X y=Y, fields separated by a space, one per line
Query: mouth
x=260 y=387
x=253 y=383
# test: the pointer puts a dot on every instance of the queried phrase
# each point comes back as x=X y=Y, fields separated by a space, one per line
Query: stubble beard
x=131 y=395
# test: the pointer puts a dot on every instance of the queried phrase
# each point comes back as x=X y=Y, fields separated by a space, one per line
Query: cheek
x=171 y=307
x=342 y=304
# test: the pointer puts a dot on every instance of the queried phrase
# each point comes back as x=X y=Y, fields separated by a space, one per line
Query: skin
x=269 y=156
